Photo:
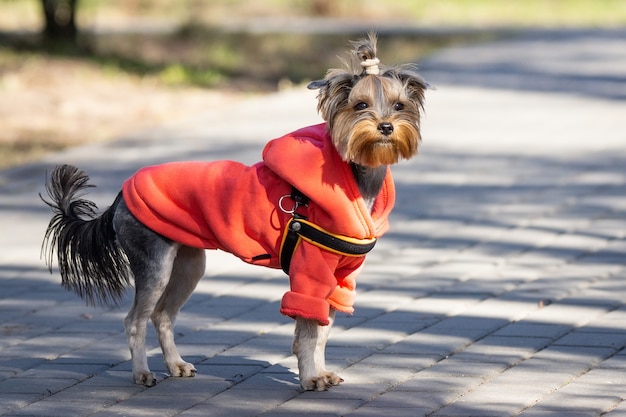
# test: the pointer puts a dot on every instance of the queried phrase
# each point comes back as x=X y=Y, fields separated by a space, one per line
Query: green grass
x=587 y=13
x=519 y=13
x=453 y=12
x=15 y=153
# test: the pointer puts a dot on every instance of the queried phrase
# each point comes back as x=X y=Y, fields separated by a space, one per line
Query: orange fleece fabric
x=230 y=206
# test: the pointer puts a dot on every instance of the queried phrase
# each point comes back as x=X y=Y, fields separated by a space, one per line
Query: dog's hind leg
x=151 y=278
x=188 y=269
x=151 y=258
x=309 y=346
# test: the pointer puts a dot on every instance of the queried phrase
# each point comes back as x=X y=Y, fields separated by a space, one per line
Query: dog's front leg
x=309 y=346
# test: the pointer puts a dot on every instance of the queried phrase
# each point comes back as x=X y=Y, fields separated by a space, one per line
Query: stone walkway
x=499 y=291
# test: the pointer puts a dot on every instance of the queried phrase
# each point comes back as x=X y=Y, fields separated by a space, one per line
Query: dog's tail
x=90 y=261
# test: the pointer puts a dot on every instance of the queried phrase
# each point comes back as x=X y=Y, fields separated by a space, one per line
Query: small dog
x=314 y=207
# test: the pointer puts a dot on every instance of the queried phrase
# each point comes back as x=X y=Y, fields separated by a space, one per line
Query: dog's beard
x=361 y=142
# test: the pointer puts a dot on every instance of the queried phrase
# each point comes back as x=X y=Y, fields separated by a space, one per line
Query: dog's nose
x=385 y=128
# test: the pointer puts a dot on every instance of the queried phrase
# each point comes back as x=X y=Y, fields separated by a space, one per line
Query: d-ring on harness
x=299 y=228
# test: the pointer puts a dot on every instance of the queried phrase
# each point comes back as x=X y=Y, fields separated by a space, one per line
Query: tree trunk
x=60 y=17
x=325 y=8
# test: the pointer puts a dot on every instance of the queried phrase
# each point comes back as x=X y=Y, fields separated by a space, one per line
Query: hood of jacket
x=308 y=160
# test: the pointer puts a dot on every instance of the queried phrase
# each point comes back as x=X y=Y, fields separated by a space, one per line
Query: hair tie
x=371 y=66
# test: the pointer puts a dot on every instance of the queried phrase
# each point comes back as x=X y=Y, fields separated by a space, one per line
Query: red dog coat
x=227 y=205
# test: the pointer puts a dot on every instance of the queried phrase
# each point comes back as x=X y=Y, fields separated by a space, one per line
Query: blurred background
x=74 y=71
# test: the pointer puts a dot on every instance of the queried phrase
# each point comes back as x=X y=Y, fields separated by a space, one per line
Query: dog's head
x=372 y=111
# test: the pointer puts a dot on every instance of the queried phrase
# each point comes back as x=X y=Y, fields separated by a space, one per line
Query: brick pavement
x=498 y=292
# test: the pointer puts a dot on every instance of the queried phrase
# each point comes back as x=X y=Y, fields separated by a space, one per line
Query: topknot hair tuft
x=365 y=53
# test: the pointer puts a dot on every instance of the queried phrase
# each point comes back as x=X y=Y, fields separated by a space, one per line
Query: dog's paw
x=182 y=369
x=146 y=378
x=322 y=382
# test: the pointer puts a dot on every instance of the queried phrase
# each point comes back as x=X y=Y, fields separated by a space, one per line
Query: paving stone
x=445 y=387
x=583 y=338
x=241 y=403
x=593 y=393
x=400 y=399
x=442 y=343
x=271 y=381
x=492 y=402
x=233 y=373
x=374 y=411
x=398 y=320
x=538 y=412
x=461 y=366
x=529 y=329
x=531 y=380
x=564 y=314
x=13 y=401
x=342 y=356
x=502 y=349
x=374 y=338
x=150 y=405
x=377 y=378
x=314 y=407
x=50 y=408
x=404 y=361
x=468 y=321
x=104 y=396
x=618 y=411
x=40 y=386
x=14 y=365
x=200 y=386
x=446 y=304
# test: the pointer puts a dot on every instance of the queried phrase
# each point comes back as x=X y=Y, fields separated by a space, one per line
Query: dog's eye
x=398 y=107
x=360 y=106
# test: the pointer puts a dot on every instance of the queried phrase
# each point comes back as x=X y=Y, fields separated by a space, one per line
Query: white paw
x=146 y=378
x=321 y=382
x=182 y=369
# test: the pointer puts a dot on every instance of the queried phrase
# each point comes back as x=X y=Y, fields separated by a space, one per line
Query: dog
x=314 y=207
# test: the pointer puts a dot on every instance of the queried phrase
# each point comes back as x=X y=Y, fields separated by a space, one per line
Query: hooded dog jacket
x=237 y=208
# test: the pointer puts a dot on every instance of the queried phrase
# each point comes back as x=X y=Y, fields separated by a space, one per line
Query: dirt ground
x=50 y=103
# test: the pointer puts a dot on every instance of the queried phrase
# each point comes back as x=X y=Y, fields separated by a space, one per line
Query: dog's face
x=373 y=117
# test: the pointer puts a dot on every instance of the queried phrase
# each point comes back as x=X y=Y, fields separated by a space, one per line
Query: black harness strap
x=300 y=228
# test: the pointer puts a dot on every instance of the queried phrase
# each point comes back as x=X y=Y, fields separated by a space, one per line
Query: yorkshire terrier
x=314 y=207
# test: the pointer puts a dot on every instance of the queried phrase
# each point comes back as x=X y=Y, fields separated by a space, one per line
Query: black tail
x=90 y=261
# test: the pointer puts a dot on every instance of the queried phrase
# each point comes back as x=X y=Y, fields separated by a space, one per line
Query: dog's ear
x=316 y=85
x=415 y=85
x=334 y=91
